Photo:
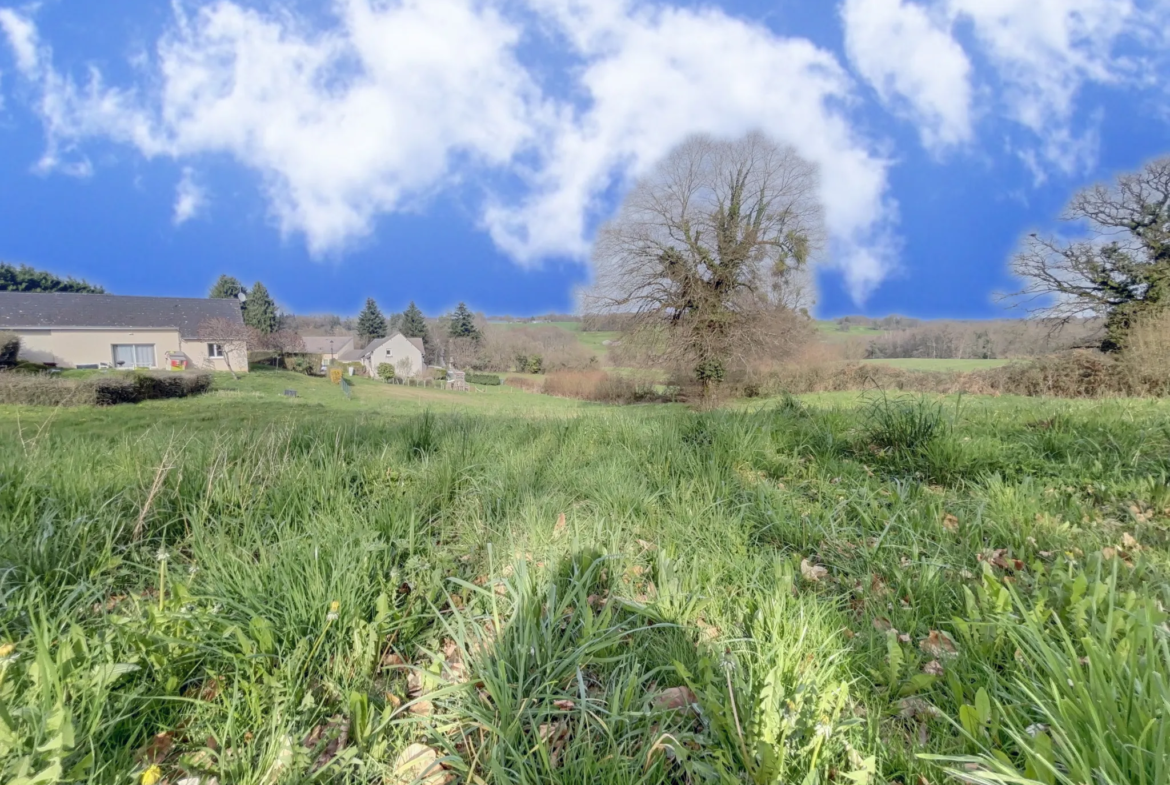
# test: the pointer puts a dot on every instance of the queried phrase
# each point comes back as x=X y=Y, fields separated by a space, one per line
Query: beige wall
x=72 y=347
x=68 y=348
x=196 y=351
x=394 y=352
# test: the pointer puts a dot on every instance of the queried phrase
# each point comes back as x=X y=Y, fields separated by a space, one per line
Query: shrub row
x=606 y=388
x=524 y=383
x=484 y=379
x=52 y=390
x=1076 y=374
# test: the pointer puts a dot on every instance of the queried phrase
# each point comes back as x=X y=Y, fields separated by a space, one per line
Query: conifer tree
x=260 y=310
x=226 y=288
x=463 y=323
x=371 y=323
x=414 y=324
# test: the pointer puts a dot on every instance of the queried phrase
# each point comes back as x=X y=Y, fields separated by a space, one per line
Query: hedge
x=105 y=390
x=485 y=379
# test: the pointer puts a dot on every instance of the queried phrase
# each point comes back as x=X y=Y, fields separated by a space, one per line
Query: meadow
x=410 y=585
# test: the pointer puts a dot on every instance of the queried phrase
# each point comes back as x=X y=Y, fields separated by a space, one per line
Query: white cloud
x=656 y=74
x=22 y=37
x=398 y=100
x=190 y=198
x=1042 y=53
x=914 y=64
x=1045 y=51
x=343 y=125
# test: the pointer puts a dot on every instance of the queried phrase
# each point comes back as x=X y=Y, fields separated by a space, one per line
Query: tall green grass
x=266 y=593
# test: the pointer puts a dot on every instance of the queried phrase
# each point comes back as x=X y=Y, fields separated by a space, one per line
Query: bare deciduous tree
x=708 y=255
x=233 y=337
x=1119 y=269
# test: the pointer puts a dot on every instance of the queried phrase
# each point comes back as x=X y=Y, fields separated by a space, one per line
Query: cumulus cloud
x=395 y=101
x=653 y=75
x=190 y=198
x=915 y=65
x=1041 y=54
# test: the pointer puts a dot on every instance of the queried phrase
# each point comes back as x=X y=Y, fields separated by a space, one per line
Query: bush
x=484 y=379
x=52 y=390
x=308 y=364
x=9 y=349
x=605 y=388
x=1076 y=374
x=385 y=371
x=440 y=374
x=301 y=364
x=521 y=383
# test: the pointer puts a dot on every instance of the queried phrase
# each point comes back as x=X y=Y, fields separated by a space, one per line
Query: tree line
x=23 y=278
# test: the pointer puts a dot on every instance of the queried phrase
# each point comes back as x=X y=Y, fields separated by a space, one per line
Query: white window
x=214 y=350
x=389 y=353
x=134 y=355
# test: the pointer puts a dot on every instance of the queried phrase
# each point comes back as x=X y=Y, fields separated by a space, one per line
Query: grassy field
x=520 y=589
x=913 y=364
x=593 y=341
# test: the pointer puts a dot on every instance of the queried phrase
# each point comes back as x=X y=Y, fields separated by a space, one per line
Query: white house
x=405 y=354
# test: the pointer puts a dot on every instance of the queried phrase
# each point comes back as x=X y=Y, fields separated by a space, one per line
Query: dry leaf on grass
x=565 y=705
x=453 y=667
x=392 y=659
x=561 y=525
x=882 y=624
x=674 y=699
x=939 y=645
x=156 y=750
x=555 y=735
x=917 y=707
x=950 y=523
x=335 y=735
x=418 y=764
x=933 y=668
x=1129 y=542
x=812 y=572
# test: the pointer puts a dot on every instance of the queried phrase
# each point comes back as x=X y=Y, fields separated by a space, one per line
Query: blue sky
x=447 y=150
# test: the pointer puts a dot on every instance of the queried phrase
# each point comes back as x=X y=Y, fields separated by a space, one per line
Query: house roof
x=62 y=310
x=320 y=344
x=418 y=344
x=351 y=355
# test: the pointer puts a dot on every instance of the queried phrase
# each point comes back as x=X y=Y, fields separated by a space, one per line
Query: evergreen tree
x=27 y=279
x=371 y=323
x=260 y=310
x=414 y=324
x=463 y=324
x=226 y=288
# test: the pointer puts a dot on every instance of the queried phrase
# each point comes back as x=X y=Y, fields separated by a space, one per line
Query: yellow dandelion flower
x=334 y=606
x=7 y=649
x=152 y=775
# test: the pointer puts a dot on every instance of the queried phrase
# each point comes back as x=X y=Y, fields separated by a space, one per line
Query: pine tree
x=414 y=324
x=260 y=310
x=371 y=323
x=463 y=323
x=226 y=288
